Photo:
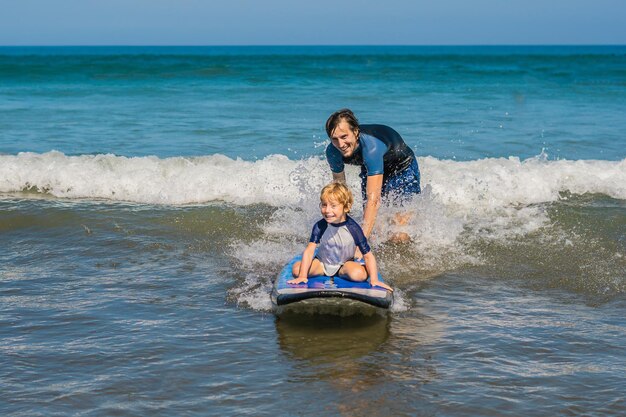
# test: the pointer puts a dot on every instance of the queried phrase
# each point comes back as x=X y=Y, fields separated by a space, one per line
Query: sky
x=312 y=22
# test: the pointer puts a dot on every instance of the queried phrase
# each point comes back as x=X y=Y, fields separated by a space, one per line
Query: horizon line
x=306 y=45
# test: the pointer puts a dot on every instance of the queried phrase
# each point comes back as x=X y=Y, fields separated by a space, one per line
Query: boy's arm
x=305 y=264
x=372 y=271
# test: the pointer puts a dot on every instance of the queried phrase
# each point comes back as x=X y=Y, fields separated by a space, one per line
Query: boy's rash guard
x=337 y=243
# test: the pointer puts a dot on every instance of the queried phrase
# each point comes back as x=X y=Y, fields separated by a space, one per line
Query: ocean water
x=149 y=196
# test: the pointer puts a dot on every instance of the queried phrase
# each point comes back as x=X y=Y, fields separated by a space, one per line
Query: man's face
x=344 y=139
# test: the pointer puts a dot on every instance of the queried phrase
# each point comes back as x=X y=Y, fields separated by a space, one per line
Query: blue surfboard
x=327 y=287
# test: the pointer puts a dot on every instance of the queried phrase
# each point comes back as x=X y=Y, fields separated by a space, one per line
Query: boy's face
x=333 y=211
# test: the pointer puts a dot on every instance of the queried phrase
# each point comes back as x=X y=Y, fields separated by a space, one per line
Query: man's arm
x=340 y=177
x=373 y=192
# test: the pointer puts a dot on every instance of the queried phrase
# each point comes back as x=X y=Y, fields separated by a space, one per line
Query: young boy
x=338 y=235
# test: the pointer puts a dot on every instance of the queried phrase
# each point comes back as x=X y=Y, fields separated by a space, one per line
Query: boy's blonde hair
x=340 y=192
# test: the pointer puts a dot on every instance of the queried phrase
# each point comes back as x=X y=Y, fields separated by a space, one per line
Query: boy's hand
x=298 y=281
x=377 y=283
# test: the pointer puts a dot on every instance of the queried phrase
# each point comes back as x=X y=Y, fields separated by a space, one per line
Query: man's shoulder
x=332 y=151
x=377 y=130
x=372 y=126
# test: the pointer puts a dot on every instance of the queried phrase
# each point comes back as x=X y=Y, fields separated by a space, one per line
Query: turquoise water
x=149 y=195
x=463 y=103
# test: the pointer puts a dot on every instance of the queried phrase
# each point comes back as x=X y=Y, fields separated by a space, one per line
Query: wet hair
x=335 y=118
x=338 y=191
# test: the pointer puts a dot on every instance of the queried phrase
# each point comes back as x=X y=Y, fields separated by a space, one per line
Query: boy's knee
x=358 y=274
x=295 y=270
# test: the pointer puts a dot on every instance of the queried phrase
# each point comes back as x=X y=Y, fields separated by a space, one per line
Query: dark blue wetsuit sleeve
x=373 y=152
x=334 y=158
x=318 y=230
x=358 y=236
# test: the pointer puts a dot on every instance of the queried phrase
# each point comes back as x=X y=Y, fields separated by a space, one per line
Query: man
x=388 y=166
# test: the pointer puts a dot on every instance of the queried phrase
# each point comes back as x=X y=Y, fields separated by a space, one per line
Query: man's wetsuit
x=381 y=150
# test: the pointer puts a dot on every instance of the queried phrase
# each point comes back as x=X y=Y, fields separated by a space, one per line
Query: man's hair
x=338 y=191
x=335 y=118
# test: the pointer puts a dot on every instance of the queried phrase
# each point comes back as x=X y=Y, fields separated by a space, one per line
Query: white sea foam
x=462 y=203
x=493 y=183
x=492 y=198
x=150 y=179
x=485 y=184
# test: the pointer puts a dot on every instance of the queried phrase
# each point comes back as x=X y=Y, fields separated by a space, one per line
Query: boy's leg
x=315 y=269
x=354 y=271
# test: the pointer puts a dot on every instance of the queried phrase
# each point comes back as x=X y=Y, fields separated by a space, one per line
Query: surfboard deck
x=327 y=287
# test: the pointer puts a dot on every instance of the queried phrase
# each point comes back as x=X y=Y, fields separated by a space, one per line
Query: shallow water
x=149 y=196
x=136 y=310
